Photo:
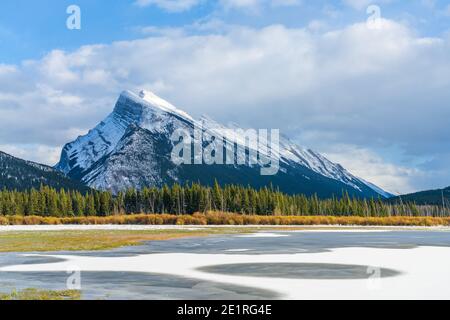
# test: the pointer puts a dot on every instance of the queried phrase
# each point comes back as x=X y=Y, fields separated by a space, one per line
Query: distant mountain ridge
x=436 y=197
x=131 y=148
x=18 y=174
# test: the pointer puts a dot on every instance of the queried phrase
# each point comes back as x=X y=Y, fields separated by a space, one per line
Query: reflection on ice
x=134 y=286
x=299 y=270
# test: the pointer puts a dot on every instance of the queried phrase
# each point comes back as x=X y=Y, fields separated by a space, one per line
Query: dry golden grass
x=36 y=294
x=220 y=218
x=82 y=240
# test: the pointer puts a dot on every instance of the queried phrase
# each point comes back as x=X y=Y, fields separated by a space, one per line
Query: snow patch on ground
x=263 y=235
x=425 y=271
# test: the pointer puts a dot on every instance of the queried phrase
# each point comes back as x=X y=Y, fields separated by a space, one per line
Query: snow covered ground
x=425 y=271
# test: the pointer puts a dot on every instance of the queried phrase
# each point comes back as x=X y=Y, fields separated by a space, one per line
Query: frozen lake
x=267 y=265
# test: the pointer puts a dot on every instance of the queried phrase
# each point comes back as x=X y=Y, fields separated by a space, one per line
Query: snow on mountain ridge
x=145 y=110
x=152 y=100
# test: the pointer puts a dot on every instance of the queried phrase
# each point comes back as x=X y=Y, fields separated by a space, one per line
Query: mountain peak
x=150 y=99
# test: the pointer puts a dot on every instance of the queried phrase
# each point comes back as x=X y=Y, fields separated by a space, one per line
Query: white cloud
x=317 y=25
x=162 y=31
x=286 y=3
x=363 y=4
x=170 y=5
x=7 y=69
x=366 y=163
x=366 y=88
x=41 y=153
x=257 y=5
x=186 y=5
x=357 y=4
x=240 y=4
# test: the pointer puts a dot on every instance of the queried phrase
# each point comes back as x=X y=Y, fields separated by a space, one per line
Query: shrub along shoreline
x=222 y=218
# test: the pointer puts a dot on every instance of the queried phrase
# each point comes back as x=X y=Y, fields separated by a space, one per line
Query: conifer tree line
x=194 y=198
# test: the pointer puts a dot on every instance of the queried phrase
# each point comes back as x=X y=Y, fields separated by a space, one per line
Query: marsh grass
x=223 y=218
x=37 y=294
x=83 y=240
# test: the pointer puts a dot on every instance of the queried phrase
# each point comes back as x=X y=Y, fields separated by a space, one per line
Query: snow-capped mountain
x=132 y=148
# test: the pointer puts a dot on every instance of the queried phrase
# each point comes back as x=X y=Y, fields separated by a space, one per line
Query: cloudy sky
x=370 y=93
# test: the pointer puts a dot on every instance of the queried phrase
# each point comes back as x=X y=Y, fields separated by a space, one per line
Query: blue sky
x=39 y=26
x=374 y=100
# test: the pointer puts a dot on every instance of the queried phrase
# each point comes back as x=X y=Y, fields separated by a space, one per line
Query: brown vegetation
x=219 y=218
